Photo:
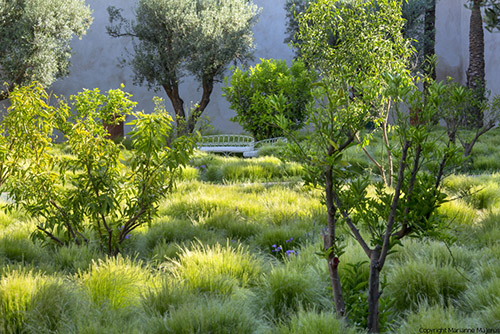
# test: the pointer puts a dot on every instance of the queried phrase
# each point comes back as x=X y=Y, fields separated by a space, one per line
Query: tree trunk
x=208 y=86
x=374 y=291
x=475 y=72
x=172 y=91
x=328 y=241
x=430 y=34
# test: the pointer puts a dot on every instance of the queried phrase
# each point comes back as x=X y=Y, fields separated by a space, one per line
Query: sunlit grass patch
x=17 y=246
x=458 y=212
x=115 y=282
x=230 y=223
x=17 y=288
x=217 y=269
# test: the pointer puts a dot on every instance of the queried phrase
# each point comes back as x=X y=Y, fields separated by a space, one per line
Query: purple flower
x=120 y=228
x=290 y=252
x=127 y=236
x=203 y=166
x=289 y=240
x=274 y=246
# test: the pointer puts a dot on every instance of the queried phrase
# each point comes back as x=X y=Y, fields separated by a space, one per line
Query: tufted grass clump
x=306 y=322
x=415 y=282
x=230 y=223
x=209 y=316
x=55 y=308
x=16 y=246
x=168 y=230
x=17 y=288
x=115 y=282
x=488 y=231
x=434 y=317
x=287 y=289
x=217 y=269
x=75 y=258
x=459 y=212
x=167 y=296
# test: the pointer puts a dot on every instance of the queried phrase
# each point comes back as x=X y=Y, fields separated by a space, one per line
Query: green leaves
x=35 y=38
x=270 y=89
x=92 y=192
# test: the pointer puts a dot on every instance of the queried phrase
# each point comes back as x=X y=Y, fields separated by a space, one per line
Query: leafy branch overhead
x=176 y=38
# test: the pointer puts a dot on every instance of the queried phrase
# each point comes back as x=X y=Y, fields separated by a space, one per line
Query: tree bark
x=475 y=72
x=208 y=86
x=172 y=91
x=373 y=291
x=430 y=35
x=329 y=240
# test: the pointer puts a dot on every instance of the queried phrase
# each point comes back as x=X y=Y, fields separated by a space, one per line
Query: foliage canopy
x=35 y=39
x=250 y=92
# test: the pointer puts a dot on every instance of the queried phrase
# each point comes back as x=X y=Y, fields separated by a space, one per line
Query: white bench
x=226 y=144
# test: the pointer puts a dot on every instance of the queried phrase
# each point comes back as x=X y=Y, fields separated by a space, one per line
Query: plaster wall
x=95 y=62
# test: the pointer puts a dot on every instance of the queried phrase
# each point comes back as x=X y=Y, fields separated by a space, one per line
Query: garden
x=379 y=213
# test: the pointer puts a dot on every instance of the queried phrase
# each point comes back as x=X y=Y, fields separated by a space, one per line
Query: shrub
x=250 y=92
x=105 y=196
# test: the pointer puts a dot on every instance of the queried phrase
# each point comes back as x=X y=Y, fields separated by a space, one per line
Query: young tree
x=364 y=77
x=177 y=37
x=91 y=195
x=35 y=40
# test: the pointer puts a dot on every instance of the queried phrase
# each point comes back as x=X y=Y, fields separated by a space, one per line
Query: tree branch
x=353 y=228
x=394 y=205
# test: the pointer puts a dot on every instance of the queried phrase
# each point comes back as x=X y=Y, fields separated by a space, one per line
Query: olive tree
x=364 y=77
x=179 y=37
x=35 y=39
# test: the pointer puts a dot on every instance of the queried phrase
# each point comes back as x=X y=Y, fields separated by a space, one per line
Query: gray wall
x=95 y=62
